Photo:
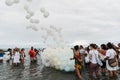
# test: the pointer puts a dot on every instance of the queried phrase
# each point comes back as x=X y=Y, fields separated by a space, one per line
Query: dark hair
x=81 y=46
x=118 y=44
x=9 y=49
x=32 y=48
x=109 y=45
x=93 y=46
x=22 y=49
x=76 y=47
x=35 y=50
x=103 y=46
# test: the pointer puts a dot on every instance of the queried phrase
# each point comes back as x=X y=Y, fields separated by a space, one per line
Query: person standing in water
x=78 y=61
x=36 y=53
x=111 y=54
x=32 y=54
x=94 y=67
x=119 y=54
x=1 y=55
x=102 y=52
x=16 y=59
x=8 y=55
x=22 y=55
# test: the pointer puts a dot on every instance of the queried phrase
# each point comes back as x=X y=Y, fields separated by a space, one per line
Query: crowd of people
x=17 y=55
x=97 y=59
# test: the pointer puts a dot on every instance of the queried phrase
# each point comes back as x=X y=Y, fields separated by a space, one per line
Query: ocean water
x=34 y=71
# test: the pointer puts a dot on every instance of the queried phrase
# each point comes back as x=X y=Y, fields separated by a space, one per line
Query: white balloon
x=34 y=21
x=16 y=1
x=46 y=14
x=28 y=16
x=44 y=37
x=52 y=27
x=26 y=7
x=9 y=2
x=42 y=28
x=50 y=33
x=42 y=10
x=31 y=13
x=33 y=27
x=51 y=57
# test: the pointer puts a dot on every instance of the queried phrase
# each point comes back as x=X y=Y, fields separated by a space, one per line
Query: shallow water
x=35 y=72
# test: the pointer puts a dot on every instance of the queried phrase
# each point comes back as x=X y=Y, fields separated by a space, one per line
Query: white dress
x=16 y=57
x=110 y=53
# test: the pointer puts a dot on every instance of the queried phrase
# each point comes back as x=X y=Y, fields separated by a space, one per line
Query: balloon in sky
x=16 y=1
x=43 y=10
x=9 y=2
x=31 y=13
x=46 y=14
x=56 y=29
x=34 y=21
x=50 y=32
x=28 y=16
x=26 y=7
x=32 y=27
x=42 y=28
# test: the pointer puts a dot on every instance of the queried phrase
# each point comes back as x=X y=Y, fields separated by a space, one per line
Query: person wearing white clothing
x=8 y=55
x=94 y=67
x=110 y=54
x=16 y=59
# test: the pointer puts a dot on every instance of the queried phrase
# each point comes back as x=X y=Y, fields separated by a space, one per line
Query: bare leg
x=78 y=74
x=115 y=73
x=111 y=74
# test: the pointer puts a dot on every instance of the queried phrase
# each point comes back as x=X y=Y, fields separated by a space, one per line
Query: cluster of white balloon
x=11 y=2
x=50 y=32
x=51 y=55
x=31 y=14
x=45 y=13
x=53 y=32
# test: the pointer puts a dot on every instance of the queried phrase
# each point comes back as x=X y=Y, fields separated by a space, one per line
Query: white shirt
x=110 y=53
x=82 y=51
x=94 y=54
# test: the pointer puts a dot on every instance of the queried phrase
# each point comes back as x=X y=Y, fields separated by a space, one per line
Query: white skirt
x=111 y=68
x=16 y=59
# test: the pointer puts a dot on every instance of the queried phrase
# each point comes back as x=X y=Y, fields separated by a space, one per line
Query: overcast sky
x=82 y=21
